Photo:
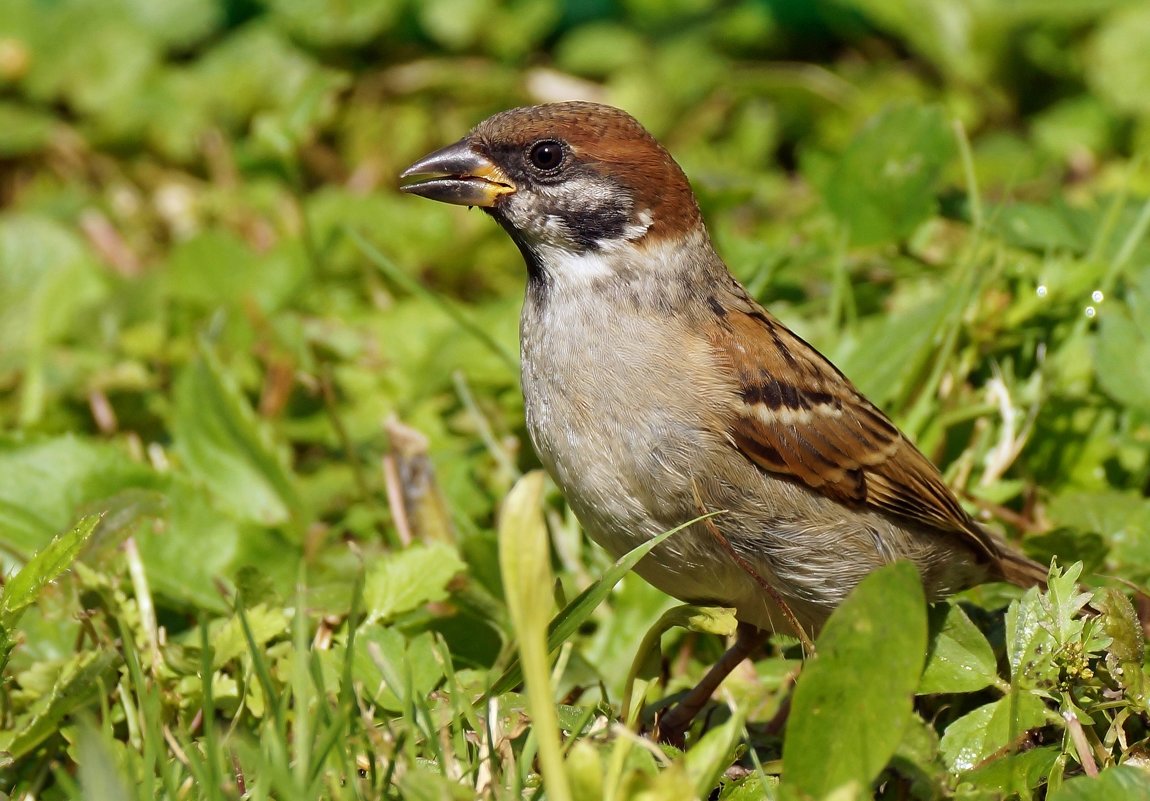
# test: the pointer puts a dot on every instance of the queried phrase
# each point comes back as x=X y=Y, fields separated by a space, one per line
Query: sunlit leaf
x=981 y=733
x=959 y=659
x=883 y=186
x=1120 y=783
x=404 y=580
x=854 y=700
x=228 y=448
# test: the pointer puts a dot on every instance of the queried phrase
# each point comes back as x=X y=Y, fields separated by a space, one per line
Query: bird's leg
x=670 y=727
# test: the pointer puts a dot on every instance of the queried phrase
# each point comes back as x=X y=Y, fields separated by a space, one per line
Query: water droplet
x=1090 y=311
x=1041 y=291
x=1096 y=296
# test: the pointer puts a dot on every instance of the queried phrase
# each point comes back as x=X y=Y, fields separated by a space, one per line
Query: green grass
x=263 y=466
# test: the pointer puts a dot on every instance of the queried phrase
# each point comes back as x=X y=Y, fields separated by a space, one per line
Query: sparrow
x=658 y=390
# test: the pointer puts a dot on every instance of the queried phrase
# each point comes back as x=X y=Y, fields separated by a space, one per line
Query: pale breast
x=616 y=413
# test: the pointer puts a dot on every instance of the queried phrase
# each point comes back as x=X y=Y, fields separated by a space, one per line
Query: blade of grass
x=525 y=562
x=208 y=707
x=574 y=614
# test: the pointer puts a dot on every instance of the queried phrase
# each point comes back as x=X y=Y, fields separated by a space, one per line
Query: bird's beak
x=460 y=175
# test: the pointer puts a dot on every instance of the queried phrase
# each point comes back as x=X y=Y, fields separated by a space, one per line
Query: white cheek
x=576 y=268
x=634 y=231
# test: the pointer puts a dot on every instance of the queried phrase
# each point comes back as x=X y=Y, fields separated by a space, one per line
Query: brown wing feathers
x=826 y=435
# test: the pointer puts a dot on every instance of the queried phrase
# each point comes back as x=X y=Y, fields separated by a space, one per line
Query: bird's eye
x=546 y=155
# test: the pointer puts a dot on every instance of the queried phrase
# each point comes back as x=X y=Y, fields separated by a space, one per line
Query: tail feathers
x=1018 y=569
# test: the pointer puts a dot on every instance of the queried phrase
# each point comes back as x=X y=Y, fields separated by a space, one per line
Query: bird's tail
x=1021 y=570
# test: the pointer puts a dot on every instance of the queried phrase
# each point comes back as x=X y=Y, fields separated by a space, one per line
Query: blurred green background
x=219 y=317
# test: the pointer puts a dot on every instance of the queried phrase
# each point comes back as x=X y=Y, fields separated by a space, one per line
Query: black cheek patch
x=590 y=224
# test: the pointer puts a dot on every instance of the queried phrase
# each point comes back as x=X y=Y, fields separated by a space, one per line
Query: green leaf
x=854 y=701
x=228 y=448
x=978 y=734
x=1118 y=62
x=1120 y=783
x=883 y=186
x=178 y=23
x=99 y=777
x=47 y=279
x=959 y=659
x=78 y=684
x=228 y=638
x=1123 y=341
x=216 y=268
x=405 y=580
x=44 y=483
x=1020 y=773
x=1039 y=624
x=348 y=23
x=1127 y=650
x=197 y=545
x=1122 y=518
x=22 y=589
x=389 y=666
x=1043 y=227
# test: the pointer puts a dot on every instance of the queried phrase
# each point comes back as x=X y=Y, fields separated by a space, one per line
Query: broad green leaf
x=77 y=685
x=228 y=638
x=1121 y=355
x=886 y=355
x=388 y=665
x=407 y=579
x=48 y=280
x=884 y=184
x=854 y=700
x=217 y=269
x=178 y=23
x=254 y=69
x=100 y=778
x=1029 y=642
x=1120 y=783
x=1043 y=227
x=197 y=545
x=1122 y=518
x=1118 y=62
x=958 y=659
x=44 y=483
x=978 y=734
x=1021 y=772
x=228 y=448
x=92 y=57
x=320 y=22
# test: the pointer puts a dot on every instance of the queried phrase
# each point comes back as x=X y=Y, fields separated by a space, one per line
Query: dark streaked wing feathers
x=801 y=419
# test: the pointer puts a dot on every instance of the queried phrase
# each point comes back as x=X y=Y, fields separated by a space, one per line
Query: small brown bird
x=657 y=390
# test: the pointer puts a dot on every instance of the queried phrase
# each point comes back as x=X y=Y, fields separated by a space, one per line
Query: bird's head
x=570 y=182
